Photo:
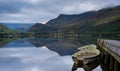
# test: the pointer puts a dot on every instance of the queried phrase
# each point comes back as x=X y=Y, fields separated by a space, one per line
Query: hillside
x=41 y=29
x=2 y=27
x=5 y=31
x=20 y=27
x=64 y=21
x=106 y=20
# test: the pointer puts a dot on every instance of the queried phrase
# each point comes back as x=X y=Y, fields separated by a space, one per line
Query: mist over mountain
x=20 y=27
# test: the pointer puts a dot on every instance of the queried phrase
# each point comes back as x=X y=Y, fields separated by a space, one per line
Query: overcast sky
x=44 y=10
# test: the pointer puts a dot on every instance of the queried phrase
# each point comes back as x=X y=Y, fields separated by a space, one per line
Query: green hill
x=5 y=31
x=40 y=29
x=106 y=21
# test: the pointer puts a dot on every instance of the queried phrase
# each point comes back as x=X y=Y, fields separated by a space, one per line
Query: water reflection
x=24 y=42
x=62 y=47
x=32 y=59
x=51 y=54
x=4 y=41
x=86 y=67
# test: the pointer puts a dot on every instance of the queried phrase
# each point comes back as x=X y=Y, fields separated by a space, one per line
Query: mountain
x=20 y=27
x=2 y=27
x=40 y=28
x=106 y=20
x=5 y=31
x=63 y=21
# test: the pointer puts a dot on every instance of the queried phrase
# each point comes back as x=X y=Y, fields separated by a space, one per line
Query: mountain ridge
x=20 y=27
x=86 y=22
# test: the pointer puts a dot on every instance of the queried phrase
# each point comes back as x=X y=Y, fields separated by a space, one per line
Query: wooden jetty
x=110 y=53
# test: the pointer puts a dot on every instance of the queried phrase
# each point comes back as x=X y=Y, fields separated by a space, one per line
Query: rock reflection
x=86 y=67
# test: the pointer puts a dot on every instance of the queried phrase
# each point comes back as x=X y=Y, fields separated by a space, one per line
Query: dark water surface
x=41 y=54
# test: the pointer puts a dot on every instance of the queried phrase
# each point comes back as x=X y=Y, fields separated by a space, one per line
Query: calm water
x=40 y=54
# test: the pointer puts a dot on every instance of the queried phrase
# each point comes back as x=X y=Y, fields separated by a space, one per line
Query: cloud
x=33 y=59
x=44 y=10
x=78 y=8
x=35 y=1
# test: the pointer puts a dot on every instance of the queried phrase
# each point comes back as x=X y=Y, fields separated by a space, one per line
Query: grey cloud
x=44 y=10
x=13 y=6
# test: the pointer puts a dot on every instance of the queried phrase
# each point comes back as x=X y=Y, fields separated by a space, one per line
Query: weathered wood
x=111 y=46
x=106 y=59
x=111 y=63
x=115 y=65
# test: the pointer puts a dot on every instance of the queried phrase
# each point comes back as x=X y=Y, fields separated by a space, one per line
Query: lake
x=41 y=54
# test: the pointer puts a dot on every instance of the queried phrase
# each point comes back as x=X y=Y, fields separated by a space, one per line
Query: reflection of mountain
x=66 y=46
x=69 y=46
x=4 y=41
x=18 y=43
x=39 y=42
x=62 y=47
x=82 y=40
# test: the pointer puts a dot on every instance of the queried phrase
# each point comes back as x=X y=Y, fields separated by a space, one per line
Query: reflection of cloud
x=98 y=69
x=35 y=69
x=33 y=59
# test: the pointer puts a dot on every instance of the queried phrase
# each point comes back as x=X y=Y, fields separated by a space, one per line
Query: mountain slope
x=40 y=28
x=63 y=21
x=101 y=21
x=2 y=27
x=5 y=31
x=20 y=27
x=105 y=20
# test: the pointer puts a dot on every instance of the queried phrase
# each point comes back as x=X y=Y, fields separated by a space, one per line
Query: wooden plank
x=111 y=63
x=115 y=65
x=113 y=45
x=112 y=53
x=112 y=48
x=113 y=42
